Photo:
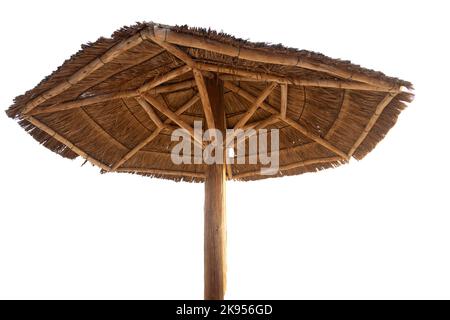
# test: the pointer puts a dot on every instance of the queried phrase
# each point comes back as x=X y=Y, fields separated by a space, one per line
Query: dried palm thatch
x=117 y=100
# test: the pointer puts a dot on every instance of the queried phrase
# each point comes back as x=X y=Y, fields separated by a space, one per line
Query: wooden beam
x=234 y=74
x=85 y=71
x=84 y=102
x=249 y=97
x=205 y=99
x=182 y=85
x=287 y=120
x=173 y=49
x=164 y=172
x=138 y=147
x=65 y=141
x=255 y=105
x=284 y=100
x=289 y=166
x=381 y=106
x=187 y=105
x=111 y=96
x=172 y=116
x=245 y=53
x=151 y=113
x=320 y=83
x=164 y=78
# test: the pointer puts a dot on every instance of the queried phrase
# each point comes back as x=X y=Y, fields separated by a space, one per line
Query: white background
x=379 y=228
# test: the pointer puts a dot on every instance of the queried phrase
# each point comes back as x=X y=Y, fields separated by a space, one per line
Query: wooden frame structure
x=210 y=81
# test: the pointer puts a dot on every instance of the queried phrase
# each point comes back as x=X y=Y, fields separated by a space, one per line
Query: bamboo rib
x=164 y=78
x=290 y=166
x=255 y=105
x=205 y=99
x=111 y=96
x=65 y=141
x=133 y=151
x=247 y=96
x=173 y=49
x=284 y=100
x=234 y=74
x=188 y=40
x=172 y=116
x=186 y=106
x=151 y=113
x=84 y=102
x=381 y=106
x=108 y=56
x=164 y=172
x=188 y=84
x=289 y=121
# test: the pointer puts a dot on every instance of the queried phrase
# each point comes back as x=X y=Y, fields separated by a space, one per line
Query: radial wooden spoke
x=82 y=73
x=65 y=141
x=234 y=74
x=164 y=78
x=151 y=113
x=84 y=102
x=205 y=99
x=381 y=106
x=133 y=151
x=173 y=49
x=163 y=172
x=284 y=100
x=255 y=105
x=256 y=55
x=182 y=85
x=290 y=166
x=172 y=116
x=68 y=105
x=249 y=97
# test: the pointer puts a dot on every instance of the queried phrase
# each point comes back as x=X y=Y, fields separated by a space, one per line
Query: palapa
x=117 y=101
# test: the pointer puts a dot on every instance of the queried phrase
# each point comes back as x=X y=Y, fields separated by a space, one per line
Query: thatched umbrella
x=117 y=101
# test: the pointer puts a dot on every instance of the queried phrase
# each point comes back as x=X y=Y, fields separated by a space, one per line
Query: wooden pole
x=215 y=218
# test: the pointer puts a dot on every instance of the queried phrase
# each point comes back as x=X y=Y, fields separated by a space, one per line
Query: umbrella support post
x=215 y=214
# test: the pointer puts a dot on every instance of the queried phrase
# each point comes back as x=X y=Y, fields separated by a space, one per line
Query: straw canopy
x=117 y=101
